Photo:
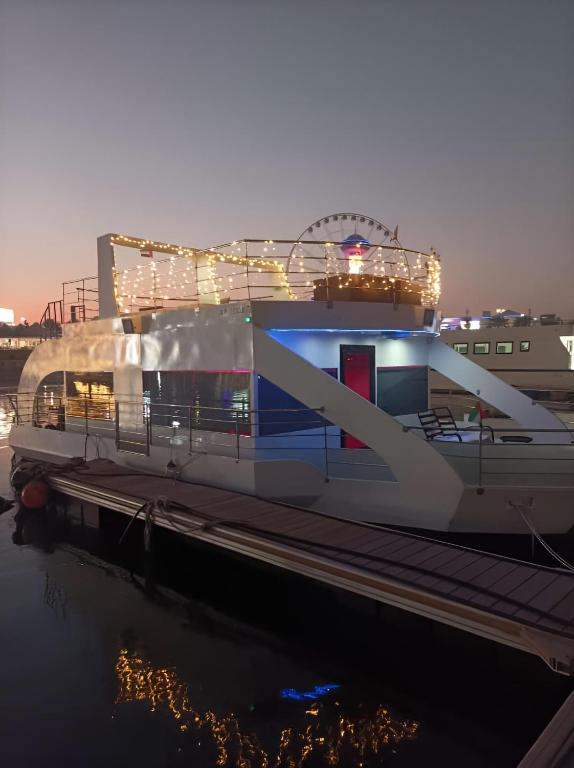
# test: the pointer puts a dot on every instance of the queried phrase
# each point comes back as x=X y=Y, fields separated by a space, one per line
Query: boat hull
x=481 y=510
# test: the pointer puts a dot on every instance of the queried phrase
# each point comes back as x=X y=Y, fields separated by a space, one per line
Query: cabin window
x=279 y=412
x=215 y=401
x=525 y=346
x=461 y=348
x=402 y=390
x=504 y=347
x=48 y=401
x=482 y=348
x=90 y=394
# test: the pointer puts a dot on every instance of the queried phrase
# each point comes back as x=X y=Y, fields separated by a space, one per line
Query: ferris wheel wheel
x=344 y=243
x=338 y=227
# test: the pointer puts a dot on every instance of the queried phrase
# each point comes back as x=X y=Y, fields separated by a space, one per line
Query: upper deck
x=169 y=276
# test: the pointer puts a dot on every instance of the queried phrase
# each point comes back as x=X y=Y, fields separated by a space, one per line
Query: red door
x=358 y=373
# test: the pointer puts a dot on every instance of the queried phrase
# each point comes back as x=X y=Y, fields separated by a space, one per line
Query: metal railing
x=255 y=269
x=486 y=455
x=494 y=454
x=52 y=319
x=80 y=300
x=461 y=402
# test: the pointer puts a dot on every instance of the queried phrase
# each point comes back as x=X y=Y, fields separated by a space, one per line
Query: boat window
x=90 y=394
x=504 y=347
x=403 y=390
x=525 y=346
x=279 y=412
x=460 y=348
x=211 y=400
x=49 y=399
x=482 y=348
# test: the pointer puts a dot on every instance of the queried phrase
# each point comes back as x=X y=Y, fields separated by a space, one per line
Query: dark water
x=235 y=668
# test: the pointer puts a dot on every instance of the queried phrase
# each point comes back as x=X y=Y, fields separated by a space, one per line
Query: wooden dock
x=554 y=748
x=518 y=604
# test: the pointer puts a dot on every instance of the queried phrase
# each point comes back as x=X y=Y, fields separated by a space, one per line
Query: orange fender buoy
x=35 y=494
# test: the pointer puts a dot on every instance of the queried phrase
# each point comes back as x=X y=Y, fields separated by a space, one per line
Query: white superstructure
x=297 y=377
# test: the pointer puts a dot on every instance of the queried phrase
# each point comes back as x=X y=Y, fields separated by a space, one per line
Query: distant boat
x=535 y=357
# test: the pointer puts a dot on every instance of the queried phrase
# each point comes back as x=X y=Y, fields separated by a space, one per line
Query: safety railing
x=80 y=300
x=462 y=402
x=484 y=455
x=256 y=269
x=51 y=410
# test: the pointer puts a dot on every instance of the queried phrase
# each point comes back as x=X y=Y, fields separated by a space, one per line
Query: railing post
x=326 y=451
x=86 y=414
x=147 y=425
x=237 y=440
x=247 y=271
x=480 y=458
x=117 y=407
x=61 y=415
x=16 y=409
x=189 y=416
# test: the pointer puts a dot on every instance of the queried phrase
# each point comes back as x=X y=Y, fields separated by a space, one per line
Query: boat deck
x=519 y=604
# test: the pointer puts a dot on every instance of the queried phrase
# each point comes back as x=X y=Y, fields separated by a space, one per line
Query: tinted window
x=90 y=394
x=213 y=400
x=279 y=412
x=482 y=348
x=51 y=385
x=402 y=390
x=48 y=399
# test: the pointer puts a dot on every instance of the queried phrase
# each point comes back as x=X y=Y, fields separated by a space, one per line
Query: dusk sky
x=202 y=122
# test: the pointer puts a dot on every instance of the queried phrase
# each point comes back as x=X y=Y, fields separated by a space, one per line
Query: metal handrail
x=319 y=410
x=236 y=432
x=157 y=408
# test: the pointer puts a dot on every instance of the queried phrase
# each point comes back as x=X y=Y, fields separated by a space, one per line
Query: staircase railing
x=52 y=319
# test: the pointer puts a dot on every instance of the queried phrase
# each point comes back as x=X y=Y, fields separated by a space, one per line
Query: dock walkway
x=519 y=604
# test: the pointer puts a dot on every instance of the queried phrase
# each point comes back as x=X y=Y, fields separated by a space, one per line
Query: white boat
x=534 y=355
x=295 y=371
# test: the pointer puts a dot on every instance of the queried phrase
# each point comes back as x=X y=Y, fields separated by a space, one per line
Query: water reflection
x=327 y=735
x=6 y=417
x=55 y=597
x=316 y=693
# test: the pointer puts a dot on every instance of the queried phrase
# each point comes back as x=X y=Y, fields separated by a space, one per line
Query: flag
x=478 y=412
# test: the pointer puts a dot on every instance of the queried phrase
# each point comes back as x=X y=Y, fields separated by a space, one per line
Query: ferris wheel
x=346 y=243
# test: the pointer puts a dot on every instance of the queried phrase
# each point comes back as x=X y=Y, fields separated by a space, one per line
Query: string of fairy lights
x=265 y=269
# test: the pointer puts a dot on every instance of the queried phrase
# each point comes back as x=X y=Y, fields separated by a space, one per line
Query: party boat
x=292 y=370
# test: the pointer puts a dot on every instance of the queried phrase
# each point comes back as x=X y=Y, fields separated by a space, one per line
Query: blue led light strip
x=380 y=331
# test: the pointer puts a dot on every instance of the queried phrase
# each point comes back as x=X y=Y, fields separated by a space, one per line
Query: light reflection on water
x=6 y=416
x=334 y=737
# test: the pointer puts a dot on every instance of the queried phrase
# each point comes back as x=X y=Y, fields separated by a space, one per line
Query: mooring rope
x=521 y=511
